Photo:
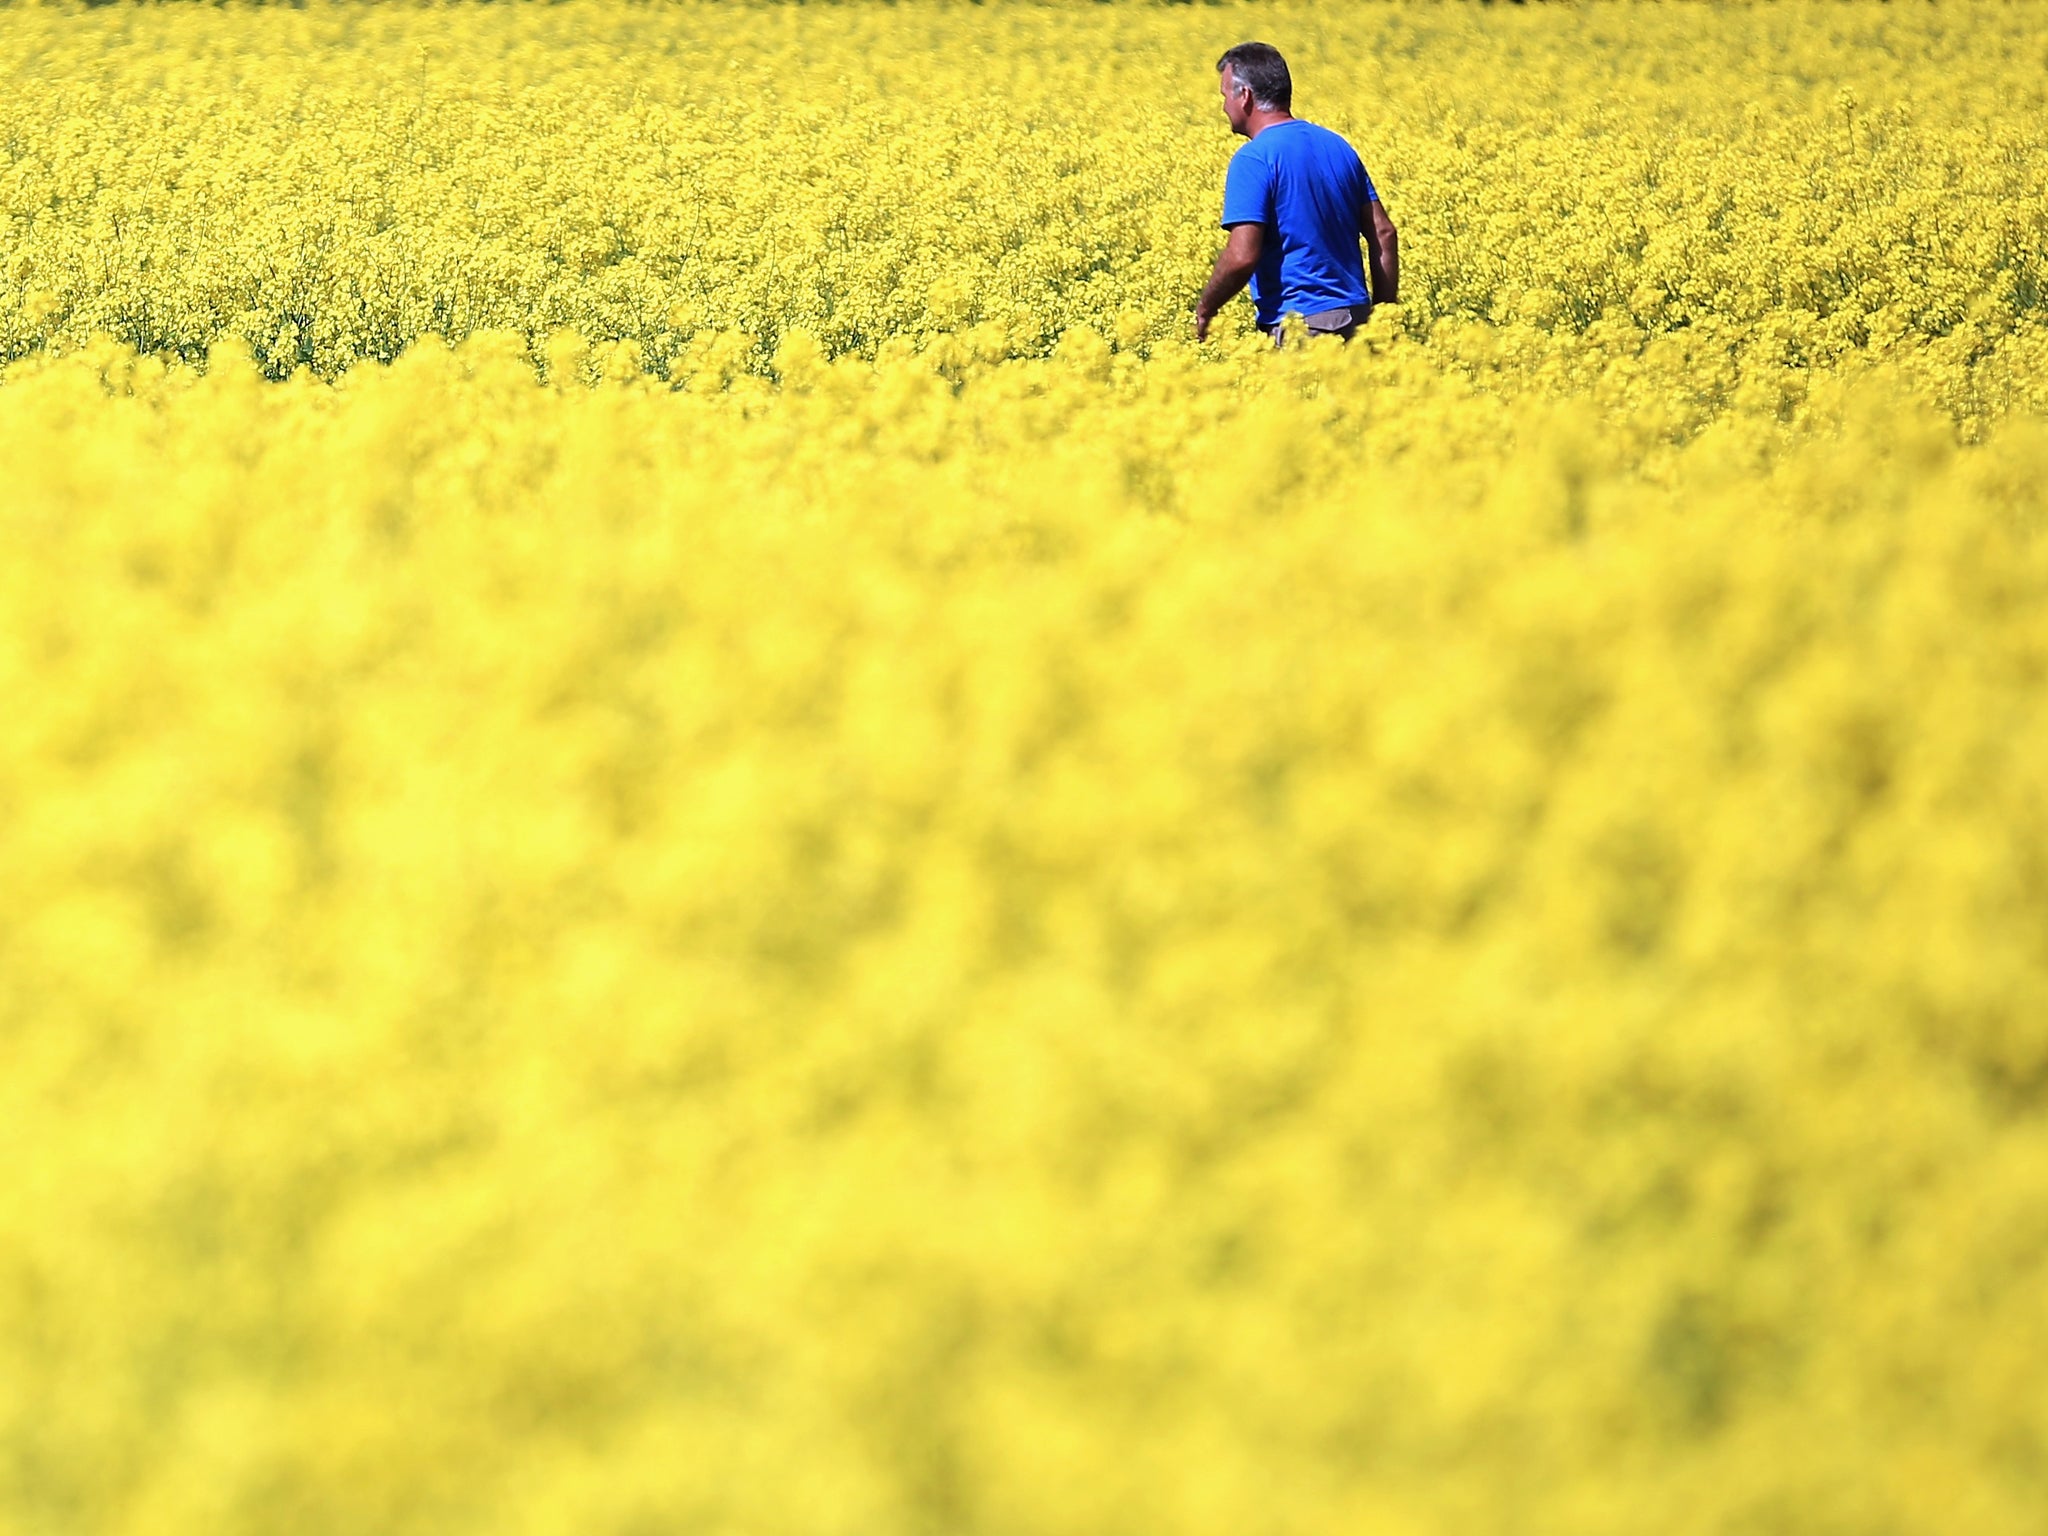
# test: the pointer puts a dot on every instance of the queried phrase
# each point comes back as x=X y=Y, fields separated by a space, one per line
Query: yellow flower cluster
x=333 y=182
x=806 y=877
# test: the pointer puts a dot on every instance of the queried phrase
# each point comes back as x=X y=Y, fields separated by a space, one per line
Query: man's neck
x=1262 y=119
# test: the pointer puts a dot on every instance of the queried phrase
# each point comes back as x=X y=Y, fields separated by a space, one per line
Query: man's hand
x=1382 y=253
x=1234 y=265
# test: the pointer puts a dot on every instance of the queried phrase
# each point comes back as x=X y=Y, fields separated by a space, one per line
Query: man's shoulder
x=1318 y=140
x=1297 y=139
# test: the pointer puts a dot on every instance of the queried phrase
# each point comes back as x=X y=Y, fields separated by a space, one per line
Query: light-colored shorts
x=1328 y=322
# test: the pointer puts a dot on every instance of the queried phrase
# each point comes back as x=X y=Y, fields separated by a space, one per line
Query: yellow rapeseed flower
x=697 y=833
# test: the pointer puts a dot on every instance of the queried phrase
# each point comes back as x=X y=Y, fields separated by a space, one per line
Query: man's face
x=1237 y=100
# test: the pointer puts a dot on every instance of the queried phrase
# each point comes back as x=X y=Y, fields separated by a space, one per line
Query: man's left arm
x=1234 y=267
x=1382 y=253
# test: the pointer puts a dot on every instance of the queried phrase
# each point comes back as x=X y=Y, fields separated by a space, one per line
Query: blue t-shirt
x=1309 y=188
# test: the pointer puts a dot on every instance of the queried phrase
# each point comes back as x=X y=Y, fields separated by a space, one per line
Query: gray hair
x=1260 y=69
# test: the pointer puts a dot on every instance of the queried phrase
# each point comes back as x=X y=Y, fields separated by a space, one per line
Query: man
x=1296 y=201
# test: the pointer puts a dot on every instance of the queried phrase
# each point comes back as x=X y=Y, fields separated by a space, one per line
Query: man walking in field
x=1296 y=201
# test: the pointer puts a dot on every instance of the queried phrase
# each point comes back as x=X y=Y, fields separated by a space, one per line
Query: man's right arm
x=1382 y=252
x=1235 y=264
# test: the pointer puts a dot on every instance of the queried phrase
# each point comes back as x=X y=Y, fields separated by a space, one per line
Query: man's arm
x=1234 y=264
x=1382 y=253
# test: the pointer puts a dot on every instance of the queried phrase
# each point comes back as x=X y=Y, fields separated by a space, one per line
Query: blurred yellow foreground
x=960 y=919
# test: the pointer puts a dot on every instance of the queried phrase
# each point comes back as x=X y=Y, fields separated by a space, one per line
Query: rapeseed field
x=699 y=834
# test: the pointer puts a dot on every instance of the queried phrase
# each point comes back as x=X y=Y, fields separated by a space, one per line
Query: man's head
x=1253 y=78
